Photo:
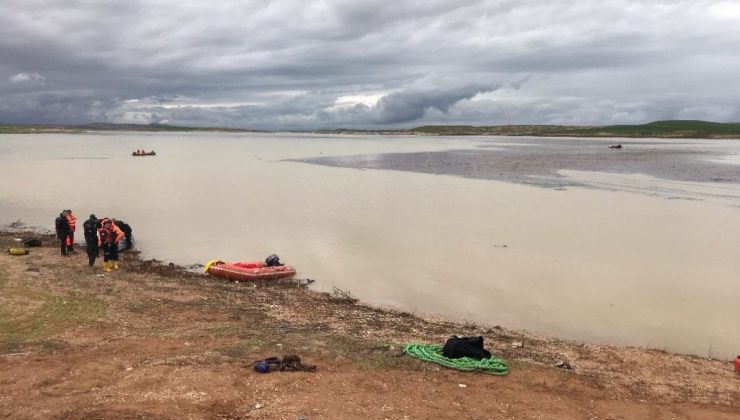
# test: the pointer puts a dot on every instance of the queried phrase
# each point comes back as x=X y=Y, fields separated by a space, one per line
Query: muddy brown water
x=558 y=236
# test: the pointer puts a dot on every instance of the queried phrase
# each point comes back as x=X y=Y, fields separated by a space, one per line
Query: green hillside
x=671 y=129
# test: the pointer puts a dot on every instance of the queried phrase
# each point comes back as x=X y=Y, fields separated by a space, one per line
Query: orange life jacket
x=72 y=220
x=105 y=235
x=117 y=232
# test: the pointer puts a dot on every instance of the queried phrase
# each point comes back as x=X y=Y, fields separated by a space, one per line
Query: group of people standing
x=105 y=233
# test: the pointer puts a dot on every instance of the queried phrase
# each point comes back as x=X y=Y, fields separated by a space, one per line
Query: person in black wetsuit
x=62 y=229
x=91 y=238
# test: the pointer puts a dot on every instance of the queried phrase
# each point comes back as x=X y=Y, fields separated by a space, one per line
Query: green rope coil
x=433 y=353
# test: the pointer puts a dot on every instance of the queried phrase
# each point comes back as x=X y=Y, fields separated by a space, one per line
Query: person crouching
x=127 y=231
x=117 y=236
x=105 y=233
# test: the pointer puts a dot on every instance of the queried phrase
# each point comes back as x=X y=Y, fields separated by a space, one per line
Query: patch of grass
x=30 y=318
x=49 y=345
x=673 y=128
x=344 y=296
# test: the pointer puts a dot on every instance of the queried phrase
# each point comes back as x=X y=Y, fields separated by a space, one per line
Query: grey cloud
x=55 y=107
x=431 y=61
x=404 y=107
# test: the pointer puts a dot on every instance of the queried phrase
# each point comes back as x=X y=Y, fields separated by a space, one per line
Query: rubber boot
x=107 y=267
x=116 y=266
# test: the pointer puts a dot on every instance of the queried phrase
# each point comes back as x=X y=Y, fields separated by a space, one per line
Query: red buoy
x=737 y=364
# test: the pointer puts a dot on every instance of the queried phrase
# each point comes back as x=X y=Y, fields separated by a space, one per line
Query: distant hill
x=669 y=129
x=48 y=128
x=666 y=129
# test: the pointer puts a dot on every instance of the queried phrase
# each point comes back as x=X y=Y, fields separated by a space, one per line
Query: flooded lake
x=550 y=235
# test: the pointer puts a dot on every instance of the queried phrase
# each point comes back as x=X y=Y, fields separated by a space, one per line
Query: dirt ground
x=157 y=341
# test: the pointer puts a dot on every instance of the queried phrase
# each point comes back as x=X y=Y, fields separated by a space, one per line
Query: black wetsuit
x=91 y=240
x=62 y=228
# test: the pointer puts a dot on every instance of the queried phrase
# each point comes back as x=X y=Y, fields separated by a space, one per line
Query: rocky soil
x=157 y=341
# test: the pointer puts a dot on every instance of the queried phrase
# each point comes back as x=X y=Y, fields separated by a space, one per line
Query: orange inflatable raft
x=249 y=271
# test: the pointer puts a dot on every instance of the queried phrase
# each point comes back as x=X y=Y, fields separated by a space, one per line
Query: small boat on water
x=247 y=271
x=143 y=153
x=615 y=146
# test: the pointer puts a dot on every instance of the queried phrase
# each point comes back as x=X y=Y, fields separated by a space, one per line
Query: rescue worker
x=72 y=221
x=126 y=228
x=62 y=229
x=105 y=240
x=117 y=236
x=90 y=228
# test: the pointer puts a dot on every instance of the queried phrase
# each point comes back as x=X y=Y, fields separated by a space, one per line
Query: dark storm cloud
x=404 y=107
x=293 y=64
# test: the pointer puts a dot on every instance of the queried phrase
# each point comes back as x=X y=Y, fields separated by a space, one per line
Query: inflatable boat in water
x=247 y=271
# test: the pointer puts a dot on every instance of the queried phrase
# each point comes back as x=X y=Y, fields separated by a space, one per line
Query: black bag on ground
x=32 y=242
x=457 y=347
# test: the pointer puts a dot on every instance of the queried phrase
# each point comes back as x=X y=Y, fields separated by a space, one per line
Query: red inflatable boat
x=249 y=271
x=143 y=153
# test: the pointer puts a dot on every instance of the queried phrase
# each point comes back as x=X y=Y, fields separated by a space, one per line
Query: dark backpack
x=457 y=347
x=32 y=242
x=273 y=261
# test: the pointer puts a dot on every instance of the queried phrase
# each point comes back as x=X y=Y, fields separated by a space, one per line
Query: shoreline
x=346 y=296
x=148 y=302
x=668 y=129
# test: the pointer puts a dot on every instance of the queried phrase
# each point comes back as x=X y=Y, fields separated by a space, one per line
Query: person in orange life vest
x=72 y=221
x=128 y=233
x=117 y=236
x=107 y=242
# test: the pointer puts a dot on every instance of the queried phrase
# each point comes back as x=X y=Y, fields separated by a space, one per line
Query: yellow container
x=17 y=251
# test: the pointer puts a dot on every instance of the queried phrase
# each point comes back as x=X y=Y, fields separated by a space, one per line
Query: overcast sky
x=298 y=64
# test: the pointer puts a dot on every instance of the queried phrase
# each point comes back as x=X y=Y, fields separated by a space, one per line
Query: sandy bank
x=153 y=340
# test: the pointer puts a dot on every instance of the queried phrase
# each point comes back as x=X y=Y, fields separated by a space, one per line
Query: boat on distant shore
x=248 y=271
x=143 y=153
